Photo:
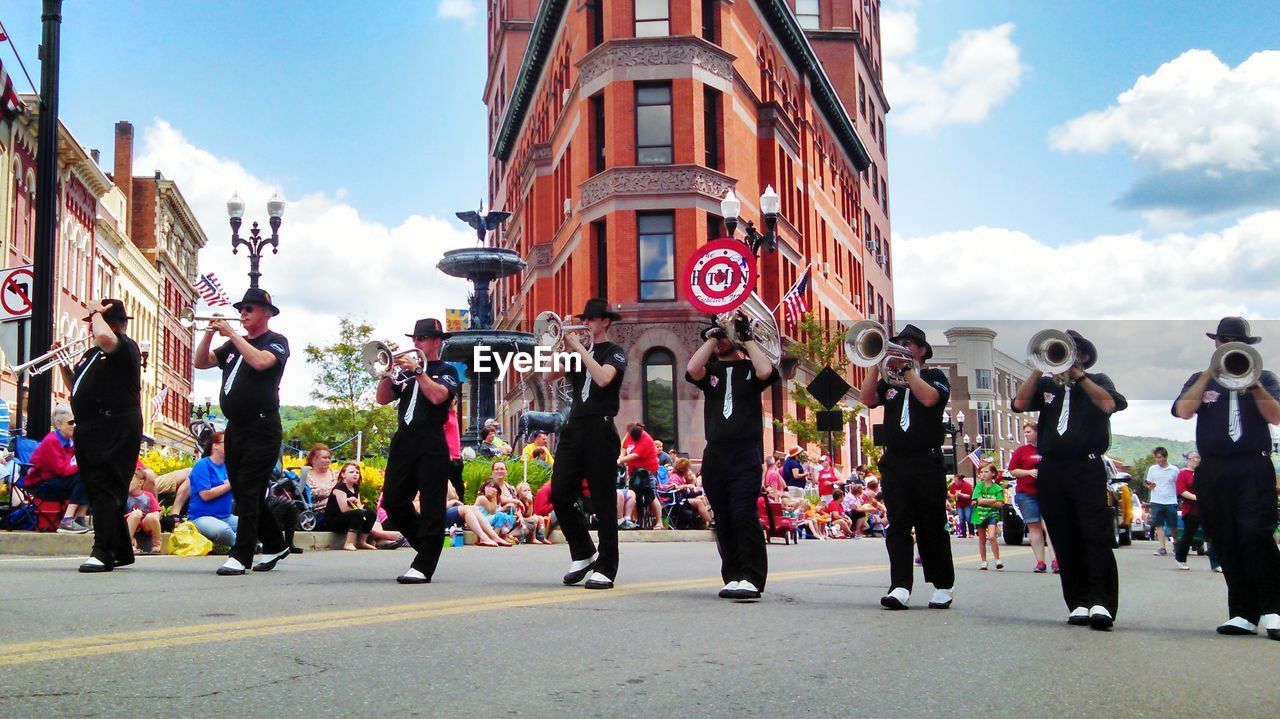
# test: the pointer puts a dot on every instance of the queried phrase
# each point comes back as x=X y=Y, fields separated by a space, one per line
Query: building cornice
x=650 y=180
x=655 y=52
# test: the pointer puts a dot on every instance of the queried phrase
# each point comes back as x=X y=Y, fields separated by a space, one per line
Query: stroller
x=290 y=499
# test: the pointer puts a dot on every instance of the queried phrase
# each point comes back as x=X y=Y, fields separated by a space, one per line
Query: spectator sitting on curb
x=142 y=512
x=175 y=484
x=54 y=474
x=344 y=513
x=524 y=493
x=210 y=506
x=317 y=472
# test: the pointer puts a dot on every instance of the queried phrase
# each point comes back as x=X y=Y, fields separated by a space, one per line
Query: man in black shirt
x=1235 y=485
x=252 y=365
x=1073 y=432
x=418 y=461
x=589 y=448
x=734 y=422
x=913 y=479
x=105 y=396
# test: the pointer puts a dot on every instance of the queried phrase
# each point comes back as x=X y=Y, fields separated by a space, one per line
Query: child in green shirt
x=988 y=499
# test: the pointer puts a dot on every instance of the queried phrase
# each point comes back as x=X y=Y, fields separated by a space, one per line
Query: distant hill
x=1131 y=449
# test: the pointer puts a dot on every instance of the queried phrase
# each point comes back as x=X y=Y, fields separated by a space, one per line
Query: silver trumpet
x=66 y=355
x=200 y=323
x=867 y=344
x=1236 y=366
x=1052 y=352
x=379 y=359
x=549 y=330
x=764 y=331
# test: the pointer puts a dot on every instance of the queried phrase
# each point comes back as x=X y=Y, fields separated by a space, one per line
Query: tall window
x=659 y=395
x=985 y=423
x=597 y=22
x=710 y=20
x=653 y=18
x=653 y=125
x=601 y=233
x=656 y=234
x=807 y=14
x=596 y=109
x=711 y=127
x=982 y=379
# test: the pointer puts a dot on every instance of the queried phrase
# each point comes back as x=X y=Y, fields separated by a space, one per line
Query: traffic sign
x=16 y=285
x=720 y=275
x=828 y=387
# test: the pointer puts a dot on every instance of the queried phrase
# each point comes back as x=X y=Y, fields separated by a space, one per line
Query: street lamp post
x=769 y=206
x=198 y=411
x=954 y=429
x=256 y=242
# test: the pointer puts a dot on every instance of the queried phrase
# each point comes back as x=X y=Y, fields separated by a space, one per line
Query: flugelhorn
x=549 y=330
x=67 y=355
x=1236 y=366
x=379 y=360
x=200 y=323
x=765 y=333
x=1052 y=352
x=867 y=344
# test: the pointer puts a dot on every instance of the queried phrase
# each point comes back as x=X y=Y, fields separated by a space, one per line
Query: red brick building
x=617 y=126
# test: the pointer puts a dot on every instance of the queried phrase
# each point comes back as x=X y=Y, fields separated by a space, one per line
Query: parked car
x=1140 y=527
x=1120 y=504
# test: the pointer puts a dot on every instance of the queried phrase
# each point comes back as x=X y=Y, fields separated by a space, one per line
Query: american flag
x=10 y=105
x=211 y=290
x=974 y=457
x=793 y=304
x=158 y=401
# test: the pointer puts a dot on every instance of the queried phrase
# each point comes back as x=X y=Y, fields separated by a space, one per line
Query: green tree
x=816 y=349
x=347 y=392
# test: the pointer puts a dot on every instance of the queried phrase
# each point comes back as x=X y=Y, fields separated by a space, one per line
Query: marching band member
x=106 y=388
x=252 y=365
x=589 y=448
x=913 y=478
x=1235 y=485
x=733 y=417
x=419 y=461
x=1073 y=432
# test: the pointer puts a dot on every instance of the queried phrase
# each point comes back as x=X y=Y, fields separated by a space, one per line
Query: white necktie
x=1233 y=422
x=1066 y=411
x=728 y=392
x=905 y=421
x=413 y=402
x=586 y=386
x=231 y=378
x=76 y=386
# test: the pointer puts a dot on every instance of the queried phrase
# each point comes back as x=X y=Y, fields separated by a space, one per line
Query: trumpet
x=66 y=355
x=765 y=333
x=867 y=344
x=379 y=360
x=1053 y=353
x=549 y=330
x=200 y=323
x=1236 y=366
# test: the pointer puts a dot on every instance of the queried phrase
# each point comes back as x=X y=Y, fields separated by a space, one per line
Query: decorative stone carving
x=540 y=256
x=655 y=180
x=540 y=153
x=650 y=52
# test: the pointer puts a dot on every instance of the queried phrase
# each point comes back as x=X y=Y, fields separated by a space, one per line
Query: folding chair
x=27 y=508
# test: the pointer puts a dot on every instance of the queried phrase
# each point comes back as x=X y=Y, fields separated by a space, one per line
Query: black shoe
x=746 y=592
x=575 y=575
x=295 y=550
x=93 y=565
x=599 y=581
x=231 y=568
x=1079 y=617
x=1100 y=619
x=403 y=579
x=729 y=591
x=118 y=562
x=269 y=561
x=890 y=601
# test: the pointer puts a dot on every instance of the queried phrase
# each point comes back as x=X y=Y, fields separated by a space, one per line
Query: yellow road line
x=122 y=642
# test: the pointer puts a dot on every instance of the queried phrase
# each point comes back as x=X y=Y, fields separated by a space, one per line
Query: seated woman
x=54 y=474
x=343 y=513
x=142 y=512
x=458 y=514
x=683 y=480
x=489 y=502
x=317 y=472
x=210 y=505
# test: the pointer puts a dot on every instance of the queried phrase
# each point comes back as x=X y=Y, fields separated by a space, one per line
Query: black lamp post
x=954 y=429
x=769 y=205
x=256 y=242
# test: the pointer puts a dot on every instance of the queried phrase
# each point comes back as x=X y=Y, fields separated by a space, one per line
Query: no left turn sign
x=16 y=285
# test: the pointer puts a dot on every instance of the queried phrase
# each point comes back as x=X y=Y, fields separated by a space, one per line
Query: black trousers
x=1237 y=498
x=915 y=496
x=253 y=448
x=588 y=449
x=1190 y=523
x=413 y=470
x=1073 y=503
x=455 y=478
x=731 y=478
x=107 y=452
x=353 y=520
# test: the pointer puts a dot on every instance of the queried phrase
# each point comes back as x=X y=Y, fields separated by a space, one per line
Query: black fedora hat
x=257 y=296
x=915 y=334
x=114 y=312
x=598 y=307
x=1084 y=345
x=1234 y=329
x=429 y=327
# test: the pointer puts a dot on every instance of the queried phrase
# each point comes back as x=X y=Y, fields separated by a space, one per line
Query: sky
x=1055 y=162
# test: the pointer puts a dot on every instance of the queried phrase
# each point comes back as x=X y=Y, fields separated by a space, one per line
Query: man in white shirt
x=1162 y=479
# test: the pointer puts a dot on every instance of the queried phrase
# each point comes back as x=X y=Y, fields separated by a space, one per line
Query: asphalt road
x=330 y=634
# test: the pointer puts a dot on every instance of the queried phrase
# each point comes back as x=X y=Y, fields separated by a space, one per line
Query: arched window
x=659 y=395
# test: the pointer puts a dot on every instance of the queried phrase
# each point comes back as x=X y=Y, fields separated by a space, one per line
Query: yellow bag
x=187 y=541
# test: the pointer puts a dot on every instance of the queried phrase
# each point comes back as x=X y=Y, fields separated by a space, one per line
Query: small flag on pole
x=974 y=457
x=211 y=291
x=793 y=303
x=158 y=401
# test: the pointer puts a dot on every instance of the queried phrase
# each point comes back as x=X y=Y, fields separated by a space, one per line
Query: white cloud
x=1145 y=301
x=463 y=10
x=981 y=69
x=1208 y=135
x=332 y=263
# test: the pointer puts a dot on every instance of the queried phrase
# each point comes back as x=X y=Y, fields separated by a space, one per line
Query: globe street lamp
x=256 y=242
x=769 y=206
x=953 y=429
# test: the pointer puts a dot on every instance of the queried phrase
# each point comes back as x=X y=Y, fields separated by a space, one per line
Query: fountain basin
x=482 y=264
x=461 y=346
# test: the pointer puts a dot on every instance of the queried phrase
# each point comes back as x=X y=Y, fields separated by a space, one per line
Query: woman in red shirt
x=1022 y=465
x=54 y=474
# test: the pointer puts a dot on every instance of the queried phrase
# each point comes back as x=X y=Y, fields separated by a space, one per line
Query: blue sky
x=1005 y=189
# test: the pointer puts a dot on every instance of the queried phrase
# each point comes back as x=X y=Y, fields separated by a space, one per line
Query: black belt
x=117 y=412
x=591 y=418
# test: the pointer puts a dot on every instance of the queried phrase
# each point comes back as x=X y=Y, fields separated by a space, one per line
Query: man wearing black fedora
x=252 y=365
x=1235 y=484
x=418 y=462
x=1073 y=432
x=912 y=476
x=589 y=448
x=106 y=386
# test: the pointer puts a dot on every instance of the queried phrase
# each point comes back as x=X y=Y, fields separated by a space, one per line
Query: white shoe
x=231 y=567
x=983 y=566
x=412 y=576
x=729 y=590
x=1078 y=617
x=1100 y=618
x=897 y=598
x=1238 y=627
x=598 y=581
x=1218 y=570
x=747 y=591
x=1270 y=623
x=999 y=564
x=1184 y=566
x=941 y=599
x=579 y=570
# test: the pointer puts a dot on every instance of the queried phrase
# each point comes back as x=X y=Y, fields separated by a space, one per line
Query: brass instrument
x=1236 y=366
x=200 y=323
x=1052 y=352
x=764 y=331
x=549 y=330
x=66 y=355
x=867 y=344
x=379 y=359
